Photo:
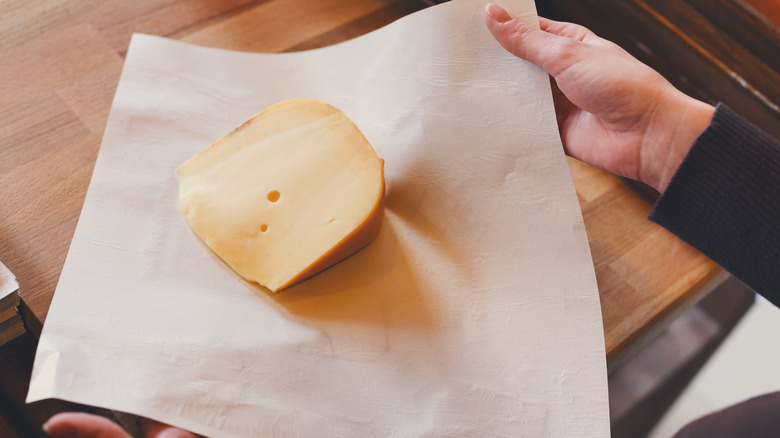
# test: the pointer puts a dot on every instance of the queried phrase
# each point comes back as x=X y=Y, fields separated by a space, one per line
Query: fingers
x=563 y=108
x=81 y=425
x=554 y=53
x=155 y=429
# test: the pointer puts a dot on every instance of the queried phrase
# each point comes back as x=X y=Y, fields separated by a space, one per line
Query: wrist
x=679 y=122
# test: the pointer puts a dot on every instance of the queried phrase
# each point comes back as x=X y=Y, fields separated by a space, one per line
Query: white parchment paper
x=8 y=284
x=474 y=313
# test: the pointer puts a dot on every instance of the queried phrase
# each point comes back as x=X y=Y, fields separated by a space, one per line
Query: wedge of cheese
x=291 y=192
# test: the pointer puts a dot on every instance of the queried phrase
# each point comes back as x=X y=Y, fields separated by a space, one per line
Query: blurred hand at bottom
x=83 y=425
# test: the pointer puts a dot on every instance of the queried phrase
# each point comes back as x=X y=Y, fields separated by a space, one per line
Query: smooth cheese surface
x=291 y=192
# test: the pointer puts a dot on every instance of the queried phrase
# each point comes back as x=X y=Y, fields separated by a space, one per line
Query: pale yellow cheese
x=291 y=192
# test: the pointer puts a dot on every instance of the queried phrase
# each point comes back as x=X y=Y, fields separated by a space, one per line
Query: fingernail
x=46 y=427
x=497 y=13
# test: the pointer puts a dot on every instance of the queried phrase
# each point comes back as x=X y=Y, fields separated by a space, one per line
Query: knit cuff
x=724 y=200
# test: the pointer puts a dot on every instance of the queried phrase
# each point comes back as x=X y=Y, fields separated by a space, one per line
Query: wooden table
x=61 y=65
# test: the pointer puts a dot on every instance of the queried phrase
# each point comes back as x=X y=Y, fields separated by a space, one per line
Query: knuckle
x=561 y=56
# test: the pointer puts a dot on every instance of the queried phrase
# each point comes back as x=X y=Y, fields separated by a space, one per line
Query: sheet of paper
x=474 y=313
x=8 y=284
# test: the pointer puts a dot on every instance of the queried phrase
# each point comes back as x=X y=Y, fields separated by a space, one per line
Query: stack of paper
x=11 y=324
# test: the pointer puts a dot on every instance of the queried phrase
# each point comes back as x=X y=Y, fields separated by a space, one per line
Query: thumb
x=528 y=42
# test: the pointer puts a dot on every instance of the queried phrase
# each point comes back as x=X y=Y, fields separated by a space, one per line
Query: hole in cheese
x=326 y=169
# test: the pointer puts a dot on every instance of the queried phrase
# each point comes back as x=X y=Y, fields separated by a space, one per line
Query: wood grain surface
x=61 y=65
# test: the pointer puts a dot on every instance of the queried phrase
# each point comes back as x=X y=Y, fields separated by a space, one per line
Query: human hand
x=613 y=112
x=82 y=425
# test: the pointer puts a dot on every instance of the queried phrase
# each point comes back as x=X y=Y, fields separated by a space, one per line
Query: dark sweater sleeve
x=724 y=200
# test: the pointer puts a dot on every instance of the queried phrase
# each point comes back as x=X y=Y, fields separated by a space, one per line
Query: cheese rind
x=292 y=191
